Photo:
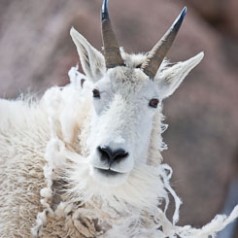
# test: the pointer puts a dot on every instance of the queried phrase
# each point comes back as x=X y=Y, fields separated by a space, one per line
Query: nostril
x=120 y=154
x=116 y=155
x=105 y=152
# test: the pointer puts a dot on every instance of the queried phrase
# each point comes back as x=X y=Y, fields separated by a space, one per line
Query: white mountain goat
x=85 y=160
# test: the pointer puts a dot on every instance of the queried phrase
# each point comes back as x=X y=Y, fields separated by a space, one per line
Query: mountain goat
x=85 y=160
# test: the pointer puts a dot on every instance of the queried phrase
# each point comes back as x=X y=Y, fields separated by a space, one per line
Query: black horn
x=159 y=51
x=111 y=48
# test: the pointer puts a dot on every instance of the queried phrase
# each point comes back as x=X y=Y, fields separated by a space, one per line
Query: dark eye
x=154 y=102
x=96 y=93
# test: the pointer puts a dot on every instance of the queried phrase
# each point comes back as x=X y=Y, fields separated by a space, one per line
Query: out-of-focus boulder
x=35 y=46
x=221 y=14
x=36 y=52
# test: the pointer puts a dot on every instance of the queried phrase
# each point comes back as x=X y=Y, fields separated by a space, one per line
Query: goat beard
x=143 y=189
x=131 y=208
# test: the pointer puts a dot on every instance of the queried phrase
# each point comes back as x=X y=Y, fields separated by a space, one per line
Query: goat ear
x=92 y=61
x=171 y=77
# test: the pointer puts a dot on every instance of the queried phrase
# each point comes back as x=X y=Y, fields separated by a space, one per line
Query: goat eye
x=154 y=102
x=96 y=93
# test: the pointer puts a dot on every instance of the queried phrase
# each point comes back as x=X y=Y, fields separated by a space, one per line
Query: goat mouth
x=108 y=172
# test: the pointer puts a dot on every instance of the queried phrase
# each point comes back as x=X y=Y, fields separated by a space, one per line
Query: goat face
x=125 y=98
x=124 y=103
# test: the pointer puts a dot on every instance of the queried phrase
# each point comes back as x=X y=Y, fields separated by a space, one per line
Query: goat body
x=85 y=160
x=46 y=188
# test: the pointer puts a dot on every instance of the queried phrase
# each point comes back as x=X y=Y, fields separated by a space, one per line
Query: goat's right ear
x=92 y=61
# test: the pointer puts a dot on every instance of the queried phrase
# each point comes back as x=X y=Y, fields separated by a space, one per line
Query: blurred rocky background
x=36 y=52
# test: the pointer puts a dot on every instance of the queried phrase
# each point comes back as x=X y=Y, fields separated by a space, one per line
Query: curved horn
x=159 y=51
x=111 y=49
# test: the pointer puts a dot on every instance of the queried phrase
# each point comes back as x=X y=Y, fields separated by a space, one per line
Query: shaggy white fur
x=47 y=181
x=130 y=210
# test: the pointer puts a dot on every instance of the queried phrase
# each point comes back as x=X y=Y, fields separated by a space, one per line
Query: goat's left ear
x=171 y=77
x=92 y=61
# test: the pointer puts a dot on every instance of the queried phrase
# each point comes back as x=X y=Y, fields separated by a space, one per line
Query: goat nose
x=110 y=155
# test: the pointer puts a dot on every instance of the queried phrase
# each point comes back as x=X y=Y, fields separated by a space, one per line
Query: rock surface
x=37 y=52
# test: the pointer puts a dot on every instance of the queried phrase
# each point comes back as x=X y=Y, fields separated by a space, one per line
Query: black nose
x=110 y=155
